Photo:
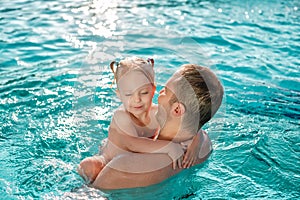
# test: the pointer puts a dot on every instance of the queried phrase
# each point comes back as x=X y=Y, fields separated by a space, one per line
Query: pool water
x=56 y=99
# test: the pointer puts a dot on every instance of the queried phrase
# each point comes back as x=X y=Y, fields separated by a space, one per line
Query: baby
x=135 y=117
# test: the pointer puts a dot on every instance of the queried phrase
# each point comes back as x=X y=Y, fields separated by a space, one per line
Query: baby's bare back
x=122 y=124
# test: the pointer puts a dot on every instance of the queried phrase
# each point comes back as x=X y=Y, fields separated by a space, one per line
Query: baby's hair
x=133 y=63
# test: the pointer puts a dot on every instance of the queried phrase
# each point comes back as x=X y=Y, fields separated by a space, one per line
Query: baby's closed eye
x=145 y=92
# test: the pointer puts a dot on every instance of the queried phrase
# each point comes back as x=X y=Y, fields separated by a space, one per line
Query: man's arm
x=135 y=170
x=144 y=169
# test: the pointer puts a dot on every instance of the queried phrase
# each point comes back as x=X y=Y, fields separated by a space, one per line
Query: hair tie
x=151 y=61
x=113 y=70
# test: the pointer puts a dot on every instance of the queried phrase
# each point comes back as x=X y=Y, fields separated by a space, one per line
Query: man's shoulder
x=206 y=146
x=154 y=108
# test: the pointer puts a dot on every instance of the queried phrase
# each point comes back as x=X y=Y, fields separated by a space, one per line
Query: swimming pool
x=56 y=102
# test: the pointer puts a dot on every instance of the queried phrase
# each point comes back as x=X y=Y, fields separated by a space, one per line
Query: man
x=190 y=98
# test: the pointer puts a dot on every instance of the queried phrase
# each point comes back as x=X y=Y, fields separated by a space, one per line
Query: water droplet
x=177 y=12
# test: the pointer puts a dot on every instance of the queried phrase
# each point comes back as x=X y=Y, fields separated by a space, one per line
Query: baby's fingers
x=179 y=162
x=174 y=164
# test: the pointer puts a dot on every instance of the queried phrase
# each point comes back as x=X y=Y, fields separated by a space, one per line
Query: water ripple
x=56 y=102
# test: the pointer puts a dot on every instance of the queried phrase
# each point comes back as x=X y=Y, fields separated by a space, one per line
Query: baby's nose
x=137 y=98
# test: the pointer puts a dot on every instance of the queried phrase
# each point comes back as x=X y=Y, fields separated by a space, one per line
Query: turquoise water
x=56 y=102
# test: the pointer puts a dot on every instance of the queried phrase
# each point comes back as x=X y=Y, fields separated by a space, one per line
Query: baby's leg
x=90 y=167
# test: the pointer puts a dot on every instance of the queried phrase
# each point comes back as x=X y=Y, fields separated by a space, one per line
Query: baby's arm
x=123 y=135
x=146 y=145
x=192 y=153
x=122 y=122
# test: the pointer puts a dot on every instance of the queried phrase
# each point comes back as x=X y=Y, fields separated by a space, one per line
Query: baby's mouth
x=137 y=107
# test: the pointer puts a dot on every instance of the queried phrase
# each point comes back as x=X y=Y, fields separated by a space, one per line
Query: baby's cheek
x=149 y=98
x=125 y=102
x=128 y=102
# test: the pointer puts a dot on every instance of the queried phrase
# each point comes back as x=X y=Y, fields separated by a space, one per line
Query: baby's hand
x=193 y=150
x=176 y=153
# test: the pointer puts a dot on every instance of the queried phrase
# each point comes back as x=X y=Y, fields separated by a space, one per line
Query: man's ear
x=177 y=109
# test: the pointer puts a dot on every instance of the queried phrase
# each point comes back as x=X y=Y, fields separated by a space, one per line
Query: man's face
x=164 y=107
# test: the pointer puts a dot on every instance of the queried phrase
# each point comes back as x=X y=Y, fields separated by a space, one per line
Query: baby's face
x=136 y=92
